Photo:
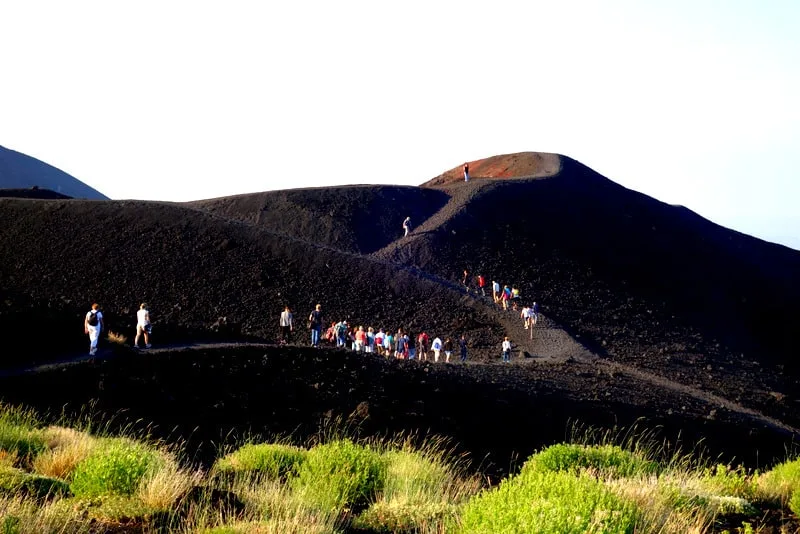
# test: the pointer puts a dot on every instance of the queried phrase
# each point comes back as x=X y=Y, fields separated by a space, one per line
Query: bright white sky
x=694 y=102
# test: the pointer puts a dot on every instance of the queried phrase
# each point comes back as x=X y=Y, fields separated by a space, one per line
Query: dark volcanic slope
x=646 y=283
x=19 y=171
x=353 y=218
x=200 y=274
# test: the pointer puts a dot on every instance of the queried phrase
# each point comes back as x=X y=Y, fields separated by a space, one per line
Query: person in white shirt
x=506 y=350
x=143 y=327
x=287 y=325
x=406 y=226
x=437 y=348
x=93 y=325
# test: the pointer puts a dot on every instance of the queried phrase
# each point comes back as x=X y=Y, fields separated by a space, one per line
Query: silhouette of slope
x=353 y=218
x=201 y=275
x=18 y=171
x=33 y=192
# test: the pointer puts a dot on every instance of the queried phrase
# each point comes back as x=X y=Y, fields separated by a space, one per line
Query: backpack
x=93 y=320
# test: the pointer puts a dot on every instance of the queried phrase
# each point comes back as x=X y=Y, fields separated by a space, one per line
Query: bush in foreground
x=341 y=474
x=607 y=460
x=272 y=460
x=540 y=502
x=116 y=467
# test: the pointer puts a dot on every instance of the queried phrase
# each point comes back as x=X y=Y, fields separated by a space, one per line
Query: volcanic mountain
x=21 y=172
x=649 y=310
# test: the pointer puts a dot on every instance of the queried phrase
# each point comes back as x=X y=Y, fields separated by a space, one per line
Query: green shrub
x=19 y=440
x=414 y=477
x=729 y=481
x=782 y=481
x=275 y=461
x=607 y=459
x=18 y=483
x=794 y=502
x=341 y=474
x=549 y=502
x=400 y=517
x=115 y=467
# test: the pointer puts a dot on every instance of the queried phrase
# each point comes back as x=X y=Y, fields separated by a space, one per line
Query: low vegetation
x=57 y=479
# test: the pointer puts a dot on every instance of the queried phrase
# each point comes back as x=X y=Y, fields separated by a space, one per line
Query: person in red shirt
x=422 y=346
x=482 y=284
x=361 y=339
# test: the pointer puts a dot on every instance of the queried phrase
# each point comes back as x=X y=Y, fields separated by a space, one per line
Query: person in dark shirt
x=466 y=172
x=315 y=324
x=462 y=343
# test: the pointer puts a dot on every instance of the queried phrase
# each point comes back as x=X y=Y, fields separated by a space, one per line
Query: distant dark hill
x=353 y=218
x=32 y=192
x=18 y=171
x=202 y=275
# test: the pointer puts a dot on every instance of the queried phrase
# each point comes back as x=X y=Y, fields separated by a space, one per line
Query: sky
x=692 y=102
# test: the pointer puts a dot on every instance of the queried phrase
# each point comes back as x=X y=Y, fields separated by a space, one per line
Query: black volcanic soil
x=496 y=413
x=358 y=218
x=650 y=310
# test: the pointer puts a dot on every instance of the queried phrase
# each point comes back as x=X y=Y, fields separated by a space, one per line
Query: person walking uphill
x=315 y=324
x=143 y=327
x=406 y=226
x=506 y=350
x=93 y=325
x=466 y=172
x=287 y=325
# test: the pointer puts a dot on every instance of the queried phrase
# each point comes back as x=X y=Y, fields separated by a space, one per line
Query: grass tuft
x=273 y=460
x=115 y=467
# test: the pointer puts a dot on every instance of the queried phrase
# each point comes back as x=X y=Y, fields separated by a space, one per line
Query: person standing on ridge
x=506 y=350
x=466 y=172
x=462 y=343
x=142 y=326
x=406 y=226
x=448 y=349
x=93 y=325
x=287 y=325
x=315 y=324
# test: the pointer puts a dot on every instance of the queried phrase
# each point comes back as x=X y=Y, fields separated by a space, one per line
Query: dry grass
x=162 y=489
x=21 y=516
x=119 y=339
x=67 y=448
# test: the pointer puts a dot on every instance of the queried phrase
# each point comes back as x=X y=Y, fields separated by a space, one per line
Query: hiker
x=93 y=325
x=388 y=344
x=465 y=280
x=341 y=333
x=286 y=324
x=370 y=340
x=379 y=339
x=482 y=284
x=462 y=343
x=514 y=298
x=400 y=345
x=495 y=291
x=315 y=324
x=505 y=297
x=142 y=326
x=466 y=172
x=448 y=349
x=506 y=350
x=422 y=343
x=406 y=226
x=361 y=340
x=526 y=315
x=535 y=313
x=437 y=348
